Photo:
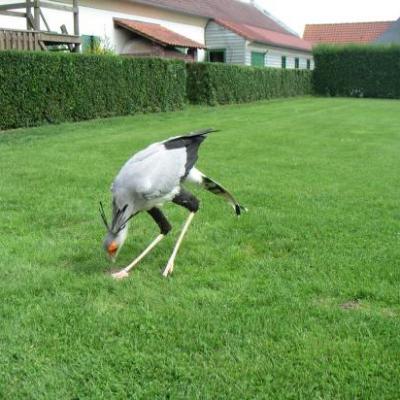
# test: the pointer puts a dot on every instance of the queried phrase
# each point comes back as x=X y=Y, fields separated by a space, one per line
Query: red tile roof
x=344 y=33
x=157 y=33
x=266 y=36
x=230 y=10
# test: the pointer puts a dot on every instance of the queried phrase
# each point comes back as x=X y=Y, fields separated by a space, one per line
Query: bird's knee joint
x=165 y=229
x=187 y=200
x=193 y=205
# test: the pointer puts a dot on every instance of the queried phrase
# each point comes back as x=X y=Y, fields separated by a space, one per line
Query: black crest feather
x=118 y=223
x=103 y=216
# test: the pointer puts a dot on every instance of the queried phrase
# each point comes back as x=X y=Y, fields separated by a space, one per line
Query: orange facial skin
x=112 y=248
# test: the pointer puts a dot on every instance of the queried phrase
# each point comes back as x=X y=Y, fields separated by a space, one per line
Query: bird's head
x=116 y=232
x=113 y=243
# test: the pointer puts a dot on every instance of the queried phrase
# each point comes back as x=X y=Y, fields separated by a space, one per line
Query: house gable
x=391 y=36
x=218 y=37
x=266 y=36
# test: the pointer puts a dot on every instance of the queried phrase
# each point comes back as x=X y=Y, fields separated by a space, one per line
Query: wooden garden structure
x=38 y=36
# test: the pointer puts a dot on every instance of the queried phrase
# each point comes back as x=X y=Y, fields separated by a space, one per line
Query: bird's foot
x=168 y=269
x=120 y=275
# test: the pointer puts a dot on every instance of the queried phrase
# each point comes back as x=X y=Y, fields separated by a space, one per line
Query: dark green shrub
x=357 y=71
x=40 y=87
x=213 y=83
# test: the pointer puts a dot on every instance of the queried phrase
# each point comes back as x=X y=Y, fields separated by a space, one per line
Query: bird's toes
x=120 y=275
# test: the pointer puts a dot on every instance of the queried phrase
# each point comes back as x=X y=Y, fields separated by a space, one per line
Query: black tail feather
x=191 y=143
x=184 y=140
x=239 y=209
x=202 y=132
x=219 y=190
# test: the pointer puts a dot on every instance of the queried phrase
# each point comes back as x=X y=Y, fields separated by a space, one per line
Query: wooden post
x=44 y=20
x=28 y=14
x=76 y=23
x=36 y=14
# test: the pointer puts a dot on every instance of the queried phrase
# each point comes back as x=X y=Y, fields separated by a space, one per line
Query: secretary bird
x=151 y=178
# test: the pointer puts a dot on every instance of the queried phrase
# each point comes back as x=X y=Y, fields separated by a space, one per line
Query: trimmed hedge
x=40 y=87
x=357 y=71
x=213 y=83
x=36 y=88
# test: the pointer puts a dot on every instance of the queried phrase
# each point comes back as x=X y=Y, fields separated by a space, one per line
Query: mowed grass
x=297 y=299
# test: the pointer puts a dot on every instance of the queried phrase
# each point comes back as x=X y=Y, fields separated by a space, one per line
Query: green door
x=257 y=59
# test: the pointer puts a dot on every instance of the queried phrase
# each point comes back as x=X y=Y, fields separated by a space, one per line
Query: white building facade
x=238 y=49
x=192 y=20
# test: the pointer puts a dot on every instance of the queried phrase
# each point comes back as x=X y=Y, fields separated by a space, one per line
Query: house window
x=217 y=55
x=257 y=59
x=90 y=43
x=297 y=63
x=308 y=64
x=283 y=61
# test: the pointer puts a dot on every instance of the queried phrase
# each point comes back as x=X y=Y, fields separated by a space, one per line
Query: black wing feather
x=192 y=143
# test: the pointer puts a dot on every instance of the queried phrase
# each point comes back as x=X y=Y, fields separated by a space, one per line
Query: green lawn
x=297 y=299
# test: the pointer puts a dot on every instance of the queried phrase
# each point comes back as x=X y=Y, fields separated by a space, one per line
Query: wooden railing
x=35 y=38
x=11 y=39
x=19 y=40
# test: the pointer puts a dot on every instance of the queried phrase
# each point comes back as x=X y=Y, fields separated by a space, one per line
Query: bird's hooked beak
x=112 y=251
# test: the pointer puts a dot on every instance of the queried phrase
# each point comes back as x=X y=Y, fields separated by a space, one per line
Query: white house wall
x=217 y=37
x=96 y=18
x=273 y=56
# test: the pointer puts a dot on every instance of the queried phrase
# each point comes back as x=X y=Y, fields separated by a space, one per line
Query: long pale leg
x=170 y=265
x=124 y=273
x=165 y=228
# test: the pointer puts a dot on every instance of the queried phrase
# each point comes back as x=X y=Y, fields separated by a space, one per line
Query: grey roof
x=392 y=35
x=230 y=10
